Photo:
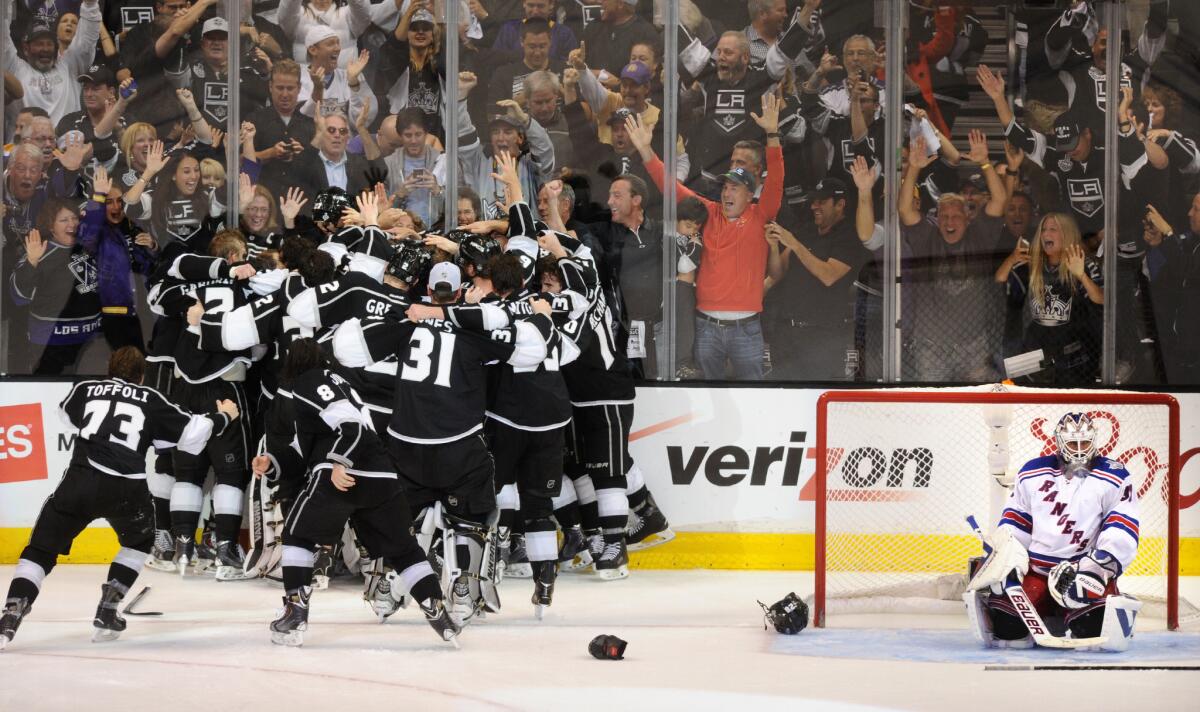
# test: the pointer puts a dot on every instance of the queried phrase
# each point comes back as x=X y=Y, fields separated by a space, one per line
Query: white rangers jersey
x=1059 y=519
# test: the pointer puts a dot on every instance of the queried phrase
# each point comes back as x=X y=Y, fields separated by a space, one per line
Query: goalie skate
x=381 y=594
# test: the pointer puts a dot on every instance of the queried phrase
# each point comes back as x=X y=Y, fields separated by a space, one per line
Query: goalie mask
x=1075 y=437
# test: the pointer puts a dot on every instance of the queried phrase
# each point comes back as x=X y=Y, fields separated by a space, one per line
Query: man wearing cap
x=510 y=130
x=99 y=87
x=562 y=38
x=48 y=78
x=633 y=94
x=208 y=77
x=812 y=307
x=509 y=80
x=326 y=87
x=729 y=284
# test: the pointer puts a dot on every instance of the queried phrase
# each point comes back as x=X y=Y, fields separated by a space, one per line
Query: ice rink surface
x=696 y=642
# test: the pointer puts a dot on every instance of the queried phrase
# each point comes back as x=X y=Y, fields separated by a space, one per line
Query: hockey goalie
x=1067 y=532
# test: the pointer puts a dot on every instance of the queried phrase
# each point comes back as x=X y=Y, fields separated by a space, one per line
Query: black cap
x=1066 y=134
x=98 y=74
x=38 y=29
x=741 y=176
x=828 y=188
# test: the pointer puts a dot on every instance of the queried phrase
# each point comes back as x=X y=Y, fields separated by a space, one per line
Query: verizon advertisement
x=717 y=459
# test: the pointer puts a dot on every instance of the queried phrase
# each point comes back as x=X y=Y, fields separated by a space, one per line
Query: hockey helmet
x=329 y=205
x=477 y=251
x=410 y=263
x=1075 y=437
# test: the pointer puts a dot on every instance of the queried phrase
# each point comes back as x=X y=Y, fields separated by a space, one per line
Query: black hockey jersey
x=441 y=385
x=331 y=426
x=119 y=421
x=353 y=295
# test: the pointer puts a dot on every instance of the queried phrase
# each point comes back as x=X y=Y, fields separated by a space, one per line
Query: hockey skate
x=573 y=553
x=205 y=561
x=647 y=526
x=613 y=562
x=231 y=564
x=322 y=568
x=440 y=620
x=289 y=627
x=379 y=594
x=109 y=623
x=15 y=611
x=544 y=573
x=185 y=553
x=162 y=554
x=517 y=564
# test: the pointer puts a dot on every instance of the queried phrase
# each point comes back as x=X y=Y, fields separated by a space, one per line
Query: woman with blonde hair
x=135 y=145
x=1060 y=291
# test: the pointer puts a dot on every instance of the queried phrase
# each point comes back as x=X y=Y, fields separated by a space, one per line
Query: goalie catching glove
x=1078 y=584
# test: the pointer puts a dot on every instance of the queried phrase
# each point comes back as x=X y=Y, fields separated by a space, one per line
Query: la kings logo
x=731 y=109
x=84 y=271
x=1087 y=195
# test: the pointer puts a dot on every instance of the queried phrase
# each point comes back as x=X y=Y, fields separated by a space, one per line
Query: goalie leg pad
x=1008 y=555
x=1120 y=615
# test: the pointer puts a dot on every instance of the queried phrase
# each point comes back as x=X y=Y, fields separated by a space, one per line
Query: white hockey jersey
x=1058 y=519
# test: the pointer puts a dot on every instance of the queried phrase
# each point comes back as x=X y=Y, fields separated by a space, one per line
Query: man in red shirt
x=737 y=255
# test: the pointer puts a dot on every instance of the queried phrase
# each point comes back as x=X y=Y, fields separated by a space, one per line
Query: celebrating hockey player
x=348 y=473
x=1070 y=529
x=118 y=421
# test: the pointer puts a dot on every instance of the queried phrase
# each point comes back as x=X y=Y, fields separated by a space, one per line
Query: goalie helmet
x=1075 y=437
x=329 y=205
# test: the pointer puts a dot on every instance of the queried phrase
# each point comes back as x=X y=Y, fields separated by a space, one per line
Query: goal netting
x=899 y=470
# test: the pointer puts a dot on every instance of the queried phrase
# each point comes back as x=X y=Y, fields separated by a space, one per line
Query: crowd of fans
x=117 y=122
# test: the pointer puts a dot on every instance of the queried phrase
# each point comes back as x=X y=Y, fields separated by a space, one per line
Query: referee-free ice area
x=696 y=642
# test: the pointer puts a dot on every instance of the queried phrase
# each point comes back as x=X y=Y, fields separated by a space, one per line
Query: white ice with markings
x=696 y=642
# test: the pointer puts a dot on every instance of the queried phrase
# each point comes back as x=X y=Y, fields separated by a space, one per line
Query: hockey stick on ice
x=1026 y=610
x=136 y=600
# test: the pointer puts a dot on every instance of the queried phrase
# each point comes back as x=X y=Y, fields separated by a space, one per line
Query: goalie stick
x=136 y=600
x=1026 y=610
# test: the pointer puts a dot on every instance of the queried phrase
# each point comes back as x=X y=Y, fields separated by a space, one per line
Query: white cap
x=445 y=273
x=216 y=24
x=318 y=33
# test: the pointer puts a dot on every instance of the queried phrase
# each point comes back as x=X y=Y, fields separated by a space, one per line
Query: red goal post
x=904 y=538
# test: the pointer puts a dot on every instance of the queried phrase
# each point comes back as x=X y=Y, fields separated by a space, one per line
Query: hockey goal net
x=898 y=471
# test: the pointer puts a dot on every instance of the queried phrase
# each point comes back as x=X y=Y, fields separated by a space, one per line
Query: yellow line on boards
x=692 y=550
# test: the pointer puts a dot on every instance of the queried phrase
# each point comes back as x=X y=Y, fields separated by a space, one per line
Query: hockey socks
x=126 y=566
x=186 y=502
x=27 y=580
x=160 y=486
x=297 y=567
x=227 y=511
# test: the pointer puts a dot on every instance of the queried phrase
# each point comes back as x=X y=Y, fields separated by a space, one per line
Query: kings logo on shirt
x=1086 y=194
x=84 y=271
x=730 y=109
x=22 y=443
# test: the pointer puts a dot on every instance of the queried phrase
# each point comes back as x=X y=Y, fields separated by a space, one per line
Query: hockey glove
x=1071 y=587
